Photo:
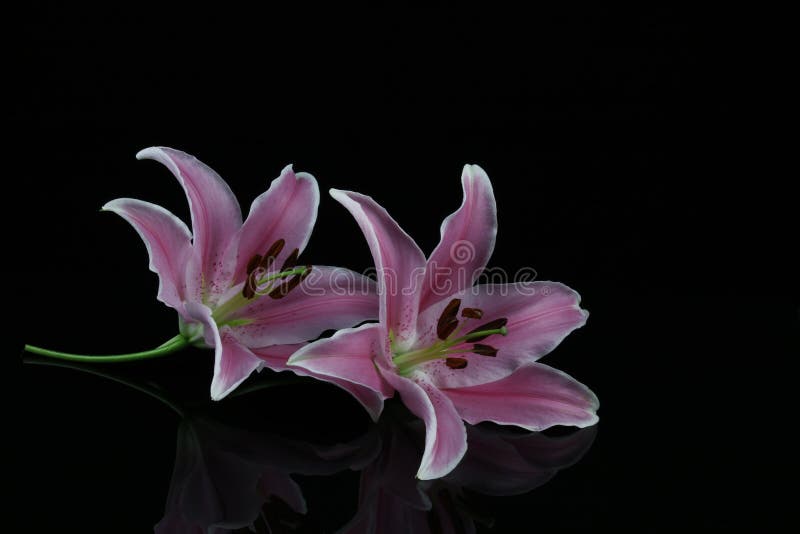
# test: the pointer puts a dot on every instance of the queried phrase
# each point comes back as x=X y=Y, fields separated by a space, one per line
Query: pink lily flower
x=236 y=285
x=452 y=350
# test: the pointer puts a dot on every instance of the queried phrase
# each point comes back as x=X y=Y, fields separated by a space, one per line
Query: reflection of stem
x=156 y=394
x=173 y=345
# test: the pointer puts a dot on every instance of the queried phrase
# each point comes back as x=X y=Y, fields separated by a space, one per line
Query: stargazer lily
x=453 y=350
x=237 y=286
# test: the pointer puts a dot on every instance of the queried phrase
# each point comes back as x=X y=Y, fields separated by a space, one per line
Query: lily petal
x=232 y=365
x=287 y=210
x=445 y=435
x=467 y=242
x=233 y=362
x=215 y=211
x=535 y=397
x=276 y=357
x=540 y=315
x=348 y=355
x=168 y=243
x=330 y=298
x=399 y=262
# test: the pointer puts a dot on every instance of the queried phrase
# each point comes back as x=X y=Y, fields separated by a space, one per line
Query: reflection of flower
x=231 y=281
x=453 y=351
x=225 y=478
x=499 y=462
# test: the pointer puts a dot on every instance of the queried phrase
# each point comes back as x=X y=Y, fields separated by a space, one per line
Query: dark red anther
x=444 y=331
x=447 y=320
x=484 y=350
x=491 y=325
x=472 y=313
x=456 y=363
x=253 y=263
x=271 y=253
x=249 y=289
x=291 y=261
x=285 y=287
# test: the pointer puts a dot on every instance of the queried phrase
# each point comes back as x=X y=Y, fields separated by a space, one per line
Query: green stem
x=173 y=345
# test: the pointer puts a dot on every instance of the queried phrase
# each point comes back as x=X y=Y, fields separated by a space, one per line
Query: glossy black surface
x=625 y=161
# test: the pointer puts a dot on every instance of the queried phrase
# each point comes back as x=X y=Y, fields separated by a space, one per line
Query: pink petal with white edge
x=287 y=210
x=535 y=397
x=540 y=315
x=168 y=243
x=399 y=262
x=445 y=435
x=216 y=216
x=467 y=242
x=233 y=362
x=330 y=298
x=348 y=355
x=232 y=365
x=276 y=357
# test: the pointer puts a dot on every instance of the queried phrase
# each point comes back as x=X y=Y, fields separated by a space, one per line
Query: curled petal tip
x=308 y=177
x=148 y=153
x=288 y=170
x=475 y=170
x=116 y=205
x=341 y=195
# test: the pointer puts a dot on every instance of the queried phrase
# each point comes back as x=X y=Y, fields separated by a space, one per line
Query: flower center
x=453 y=347
x=261 y=281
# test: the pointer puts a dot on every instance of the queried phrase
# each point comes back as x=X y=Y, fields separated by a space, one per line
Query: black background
x=626 y=160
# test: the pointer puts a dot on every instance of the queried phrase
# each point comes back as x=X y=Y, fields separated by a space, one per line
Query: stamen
x=444 y=331
x=452 y=347
x=286 y=286
x=492 y=325
x=253 y=263
x=447 y=320
x=472 y=313
x=484 y=350
x=271 y=253
x=456 y=363
x=249 y=289
x=306 y=273
x=291 y=261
